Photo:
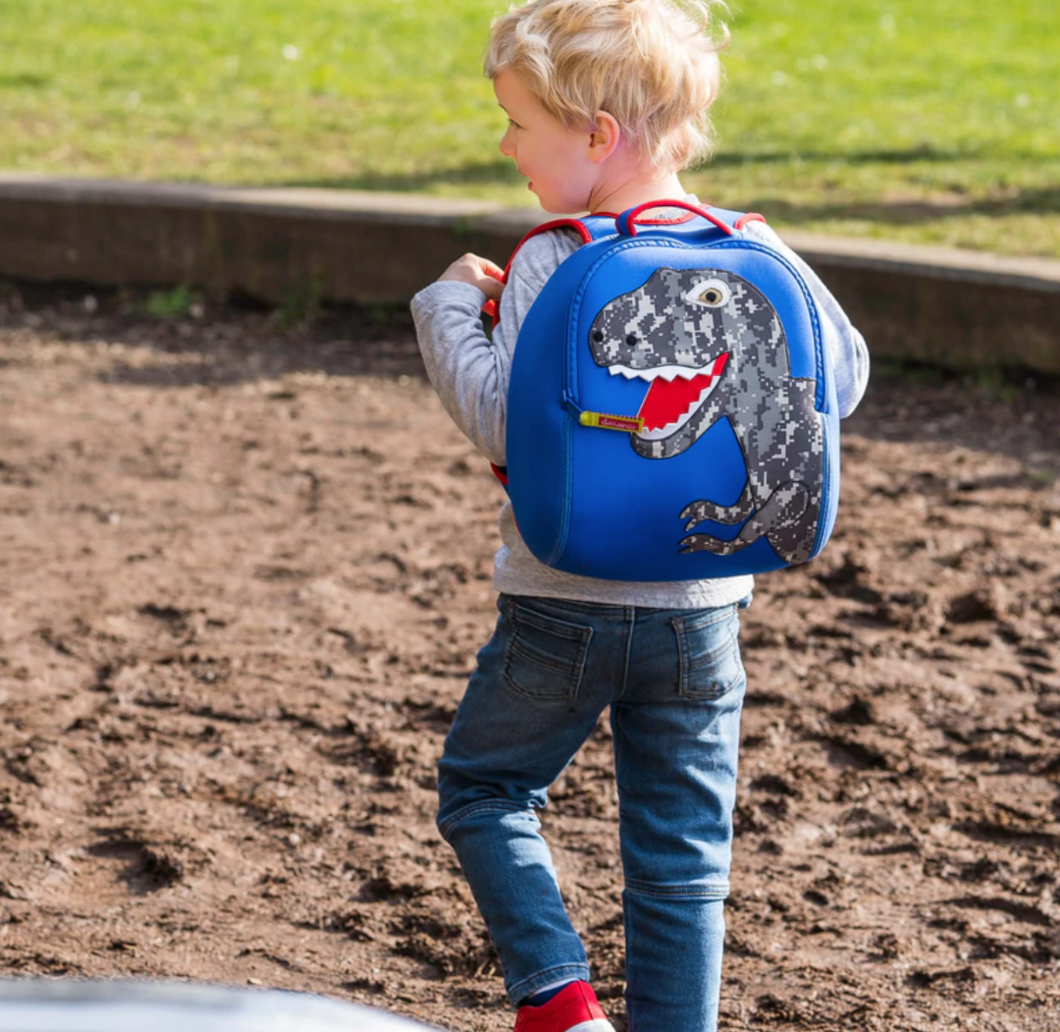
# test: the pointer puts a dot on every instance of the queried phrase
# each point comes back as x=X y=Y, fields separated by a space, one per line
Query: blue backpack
x=671 y=410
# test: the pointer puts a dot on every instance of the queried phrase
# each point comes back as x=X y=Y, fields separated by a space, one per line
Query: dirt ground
x=243 y=575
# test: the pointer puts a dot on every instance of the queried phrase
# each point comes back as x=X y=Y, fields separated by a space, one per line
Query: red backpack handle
x=626 y=222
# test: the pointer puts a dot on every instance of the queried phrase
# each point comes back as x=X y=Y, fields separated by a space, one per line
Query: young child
x=607 y=101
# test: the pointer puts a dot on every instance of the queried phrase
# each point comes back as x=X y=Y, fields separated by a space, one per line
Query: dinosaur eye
x=631 y=340
x=598 y=336
x=713 y=293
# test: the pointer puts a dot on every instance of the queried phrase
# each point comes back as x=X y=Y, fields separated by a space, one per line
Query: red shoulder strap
x=577 y=225
x=491 y=308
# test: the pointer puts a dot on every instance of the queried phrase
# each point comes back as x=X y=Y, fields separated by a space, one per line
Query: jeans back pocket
x=708 y=653
x=545 y=656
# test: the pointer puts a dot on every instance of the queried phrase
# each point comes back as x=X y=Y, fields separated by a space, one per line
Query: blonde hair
x=651 y=64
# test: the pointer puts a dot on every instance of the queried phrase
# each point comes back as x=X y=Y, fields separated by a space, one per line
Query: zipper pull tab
x=605 y=421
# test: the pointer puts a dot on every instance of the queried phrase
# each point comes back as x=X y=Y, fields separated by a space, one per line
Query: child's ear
x=604 y=138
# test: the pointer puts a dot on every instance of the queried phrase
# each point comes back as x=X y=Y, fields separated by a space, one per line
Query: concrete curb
x=956 y=308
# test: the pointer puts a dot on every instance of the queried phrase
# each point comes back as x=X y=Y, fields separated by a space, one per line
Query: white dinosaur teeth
x=660 y=433
x=667 y=372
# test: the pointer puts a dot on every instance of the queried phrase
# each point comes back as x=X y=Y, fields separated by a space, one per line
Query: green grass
x=928 y=122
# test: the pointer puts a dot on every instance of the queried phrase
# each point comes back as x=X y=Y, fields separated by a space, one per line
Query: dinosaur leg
x=783 y=508
x=697 y=512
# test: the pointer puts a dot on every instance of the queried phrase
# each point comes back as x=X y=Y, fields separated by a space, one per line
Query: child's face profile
x=553 y=157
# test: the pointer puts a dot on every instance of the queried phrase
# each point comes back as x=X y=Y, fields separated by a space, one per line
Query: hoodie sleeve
x=469 y=368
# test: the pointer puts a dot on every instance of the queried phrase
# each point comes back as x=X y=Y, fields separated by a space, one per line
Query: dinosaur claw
x=706 y=543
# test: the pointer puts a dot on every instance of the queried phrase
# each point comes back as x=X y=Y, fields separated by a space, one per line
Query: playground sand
x=243 y=575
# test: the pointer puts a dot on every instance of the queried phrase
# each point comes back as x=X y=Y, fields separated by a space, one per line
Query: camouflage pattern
x=667 y=322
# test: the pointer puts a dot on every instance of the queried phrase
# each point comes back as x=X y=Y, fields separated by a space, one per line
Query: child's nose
x=506 y=146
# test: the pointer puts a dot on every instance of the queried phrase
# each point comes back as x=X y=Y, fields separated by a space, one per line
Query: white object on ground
x=73 y=1005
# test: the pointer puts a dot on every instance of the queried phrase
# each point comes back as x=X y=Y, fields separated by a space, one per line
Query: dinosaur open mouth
x=675 y=395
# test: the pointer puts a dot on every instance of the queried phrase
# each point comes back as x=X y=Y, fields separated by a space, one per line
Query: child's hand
x=479 y=272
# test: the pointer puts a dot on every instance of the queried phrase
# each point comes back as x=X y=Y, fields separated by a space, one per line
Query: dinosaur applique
x=712 y=347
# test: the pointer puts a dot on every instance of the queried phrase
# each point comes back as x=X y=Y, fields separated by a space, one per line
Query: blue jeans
x=675 y=685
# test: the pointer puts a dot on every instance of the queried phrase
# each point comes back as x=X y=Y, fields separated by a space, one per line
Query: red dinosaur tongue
x=668 y=400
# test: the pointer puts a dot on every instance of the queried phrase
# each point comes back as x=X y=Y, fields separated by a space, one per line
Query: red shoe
x=573 y=1009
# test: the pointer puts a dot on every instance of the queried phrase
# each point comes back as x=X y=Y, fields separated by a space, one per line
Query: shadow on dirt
x=221 y=342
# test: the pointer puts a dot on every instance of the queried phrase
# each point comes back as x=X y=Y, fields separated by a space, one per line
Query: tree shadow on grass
x=499 y=173
x=1036 y=200
x=1043 y=201
x=884 y=156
